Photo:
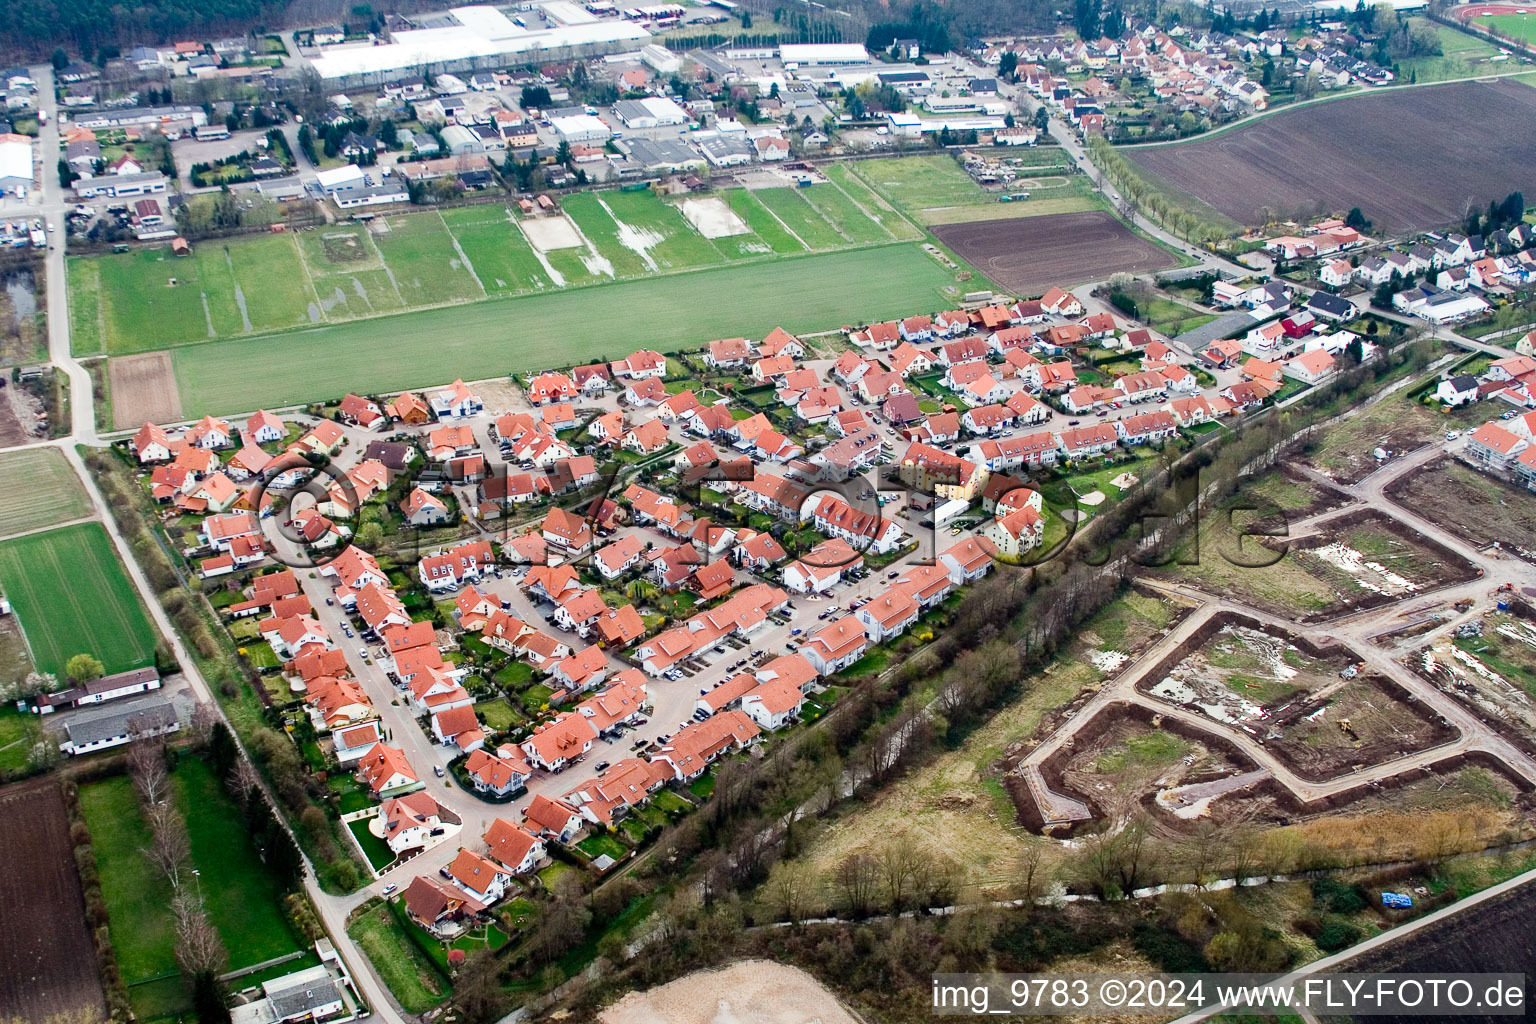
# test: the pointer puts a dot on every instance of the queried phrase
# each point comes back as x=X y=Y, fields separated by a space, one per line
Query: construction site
x=1405 y=681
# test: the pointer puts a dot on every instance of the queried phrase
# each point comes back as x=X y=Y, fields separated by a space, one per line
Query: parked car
x=391 y=887
x=437 y=770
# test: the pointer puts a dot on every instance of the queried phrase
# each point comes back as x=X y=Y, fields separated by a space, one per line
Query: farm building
x=114 y=728
x=99 y=691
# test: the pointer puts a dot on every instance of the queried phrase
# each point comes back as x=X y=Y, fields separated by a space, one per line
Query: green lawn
x=73 y=596
x=844 y=214
x=39 y=488
x=801 y=218
x=671 y=313
x=138 y=896
x=18 y=731
x=597 y=845
x=501 y=256
x=377 y=850
x=404 y=968
x=498 y=715
x=1461 y=55
x=514 y=675
x=425 y=261
x=763 y=223
x=244 y=901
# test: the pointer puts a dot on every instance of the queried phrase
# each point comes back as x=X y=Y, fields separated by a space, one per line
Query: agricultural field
x=1384 y=152
x=762 y=223
x=72 y=595
x=242 y=900
x=51 y=494
x=47 y=958
x=147 y=300
x=669 y=313
x=1027 y=257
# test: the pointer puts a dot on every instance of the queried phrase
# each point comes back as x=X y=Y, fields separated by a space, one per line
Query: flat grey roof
x=1221 y=327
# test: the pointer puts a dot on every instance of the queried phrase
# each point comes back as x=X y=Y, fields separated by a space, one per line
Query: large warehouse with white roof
x=15 y=164
x=476 y=38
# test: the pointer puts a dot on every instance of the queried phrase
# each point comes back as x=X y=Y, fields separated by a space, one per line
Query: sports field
x=1514 y=26
x=487 y=339
x=937 y=190
x=147 y=299
x=73 y=596
x=38 y=488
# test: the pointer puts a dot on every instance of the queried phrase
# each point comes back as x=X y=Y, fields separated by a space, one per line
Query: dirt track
x=753 y=992
x=47 y=961
x=1029 y=255
x=143 y=390
x=1385 y=152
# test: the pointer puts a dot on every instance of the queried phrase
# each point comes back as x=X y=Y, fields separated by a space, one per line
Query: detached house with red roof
x=642 y=365
x=151 y=444
x=360 y=412
x=385 y=771
x=552 y=819
x=514 y=847
x=836 y=645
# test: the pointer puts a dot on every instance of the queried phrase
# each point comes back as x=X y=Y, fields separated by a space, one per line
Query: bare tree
x=477 y=988
x=146 y=766
x=200 y=725
x=169 y=847
x=244 y=781
x=900 y=863
x=1034 y=874
x=857 y=879
x=199 y=950
x=789 y=887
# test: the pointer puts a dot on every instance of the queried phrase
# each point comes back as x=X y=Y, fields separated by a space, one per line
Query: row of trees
x=200 y=951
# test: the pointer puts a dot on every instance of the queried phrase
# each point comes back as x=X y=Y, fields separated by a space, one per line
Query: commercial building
x=469 y=39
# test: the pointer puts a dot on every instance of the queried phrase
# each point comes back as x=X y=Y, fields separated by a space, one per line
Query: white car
x=1451 y=435
x=391 y=887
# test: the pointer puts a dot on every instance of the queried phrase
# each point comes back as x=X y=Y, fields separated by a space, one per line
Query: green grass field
x=242 y=900
x=916 y=183
x=1516 y=26
x=428 y=269
x=407 y=971
x=72 y=596
x=763 y=223
x=801 y=218
x=501 y=256
x=145 y=300
x=491 y=338
x=843 y=213
x=138 y=896
x=1461 y=55
x=873 y=204
x=40 y=489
